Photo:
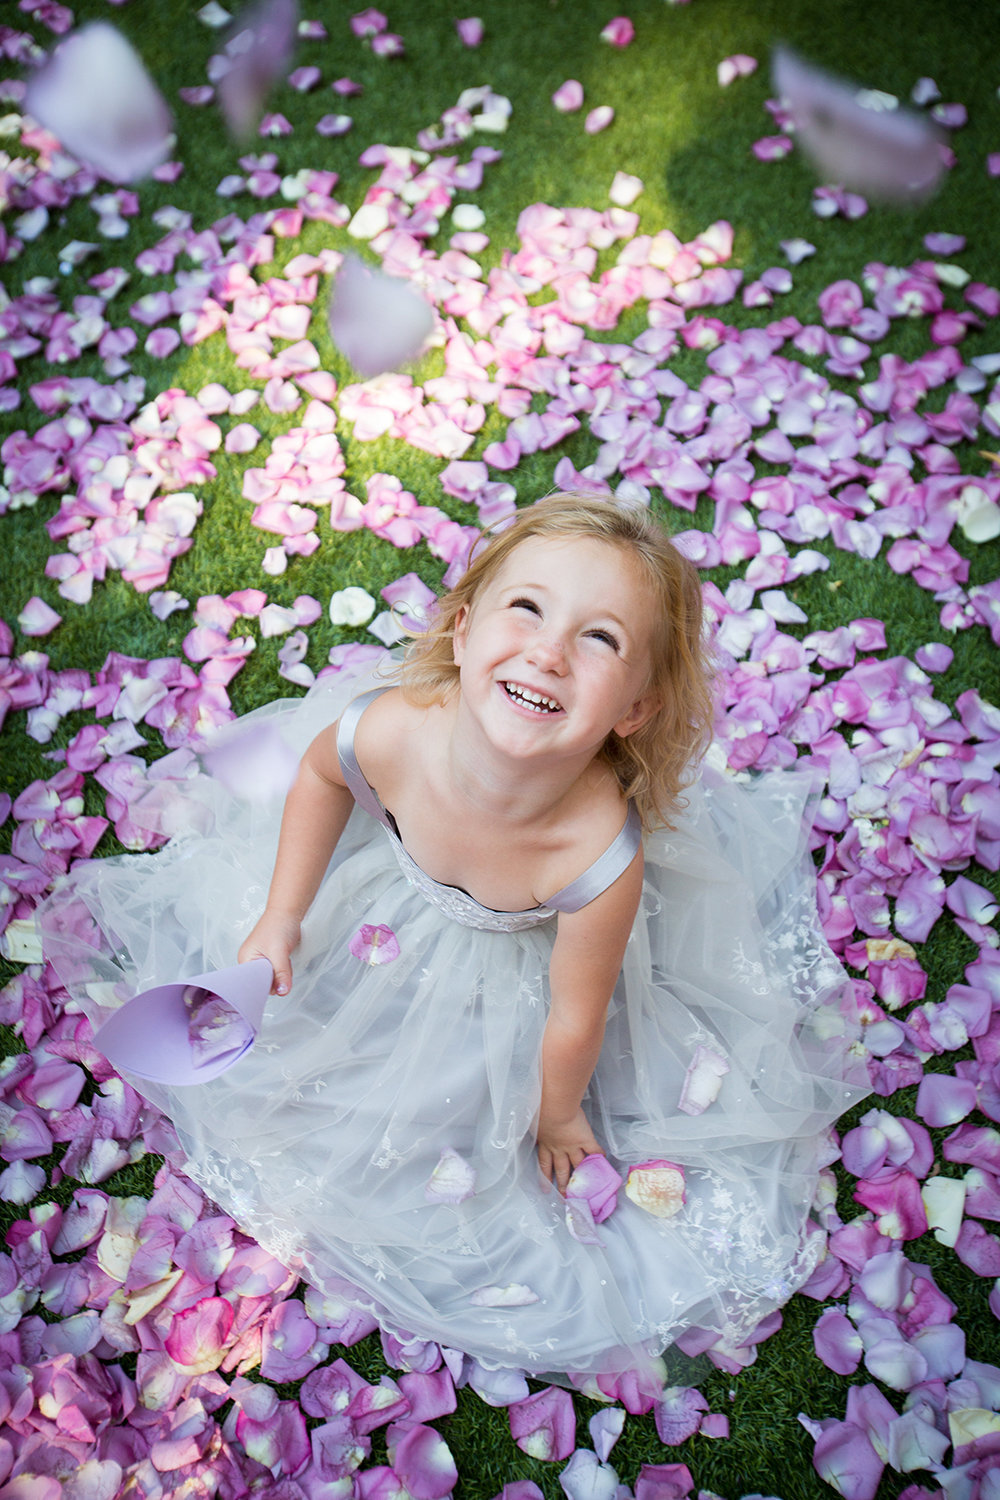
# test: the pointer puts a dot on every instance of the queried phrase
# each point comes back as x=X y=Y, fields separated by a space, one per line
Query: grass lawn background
x=690 y=142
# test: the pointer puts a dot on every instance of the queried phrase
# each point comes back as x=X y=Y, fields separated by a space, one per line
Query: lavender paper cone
x=151 y=1037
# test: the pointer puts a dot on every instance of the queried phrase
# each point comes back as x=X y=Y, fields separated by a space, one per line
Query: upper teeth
x=536 y=701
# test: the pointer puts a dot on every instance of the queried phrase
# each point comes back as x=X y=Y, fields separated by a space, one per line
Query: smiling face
x=554 y=651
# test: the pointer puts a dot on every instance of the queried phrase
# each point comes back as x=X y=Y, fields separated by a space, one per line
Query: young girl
x=484 y=973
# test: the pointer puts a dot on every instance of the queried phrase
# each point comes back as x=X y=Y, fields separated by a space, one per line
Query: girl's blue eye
x=606 y=636
x=528 y=604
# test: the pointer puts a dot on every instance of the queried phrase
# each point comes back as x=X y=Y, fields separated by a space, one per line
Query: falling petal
x=256 y=55
x=95 y=95
x=255 y=763
x=377 y=321
x=861 y=141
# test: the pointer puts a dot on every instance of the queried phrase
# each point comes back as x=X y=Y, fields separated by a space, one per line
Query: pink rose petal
x=470 y=31
x=544 y=1425
x=596 y=1182
x=739 y=65
x=618 y=32
x=374 y=944
x=598 y=119
x=568 y=97
x=37 y=618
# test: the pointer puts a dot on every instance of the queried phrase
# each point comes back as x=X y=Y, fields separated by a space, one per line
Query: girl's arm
x=316 y=812
x=586 y=961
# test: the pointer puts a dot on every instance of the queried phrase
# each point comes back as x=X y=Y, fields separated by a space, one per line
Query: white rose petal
x=351 y=606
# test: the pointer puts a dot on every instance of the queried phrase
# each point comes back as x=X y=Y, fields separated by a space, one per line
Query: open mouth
x=525 y=698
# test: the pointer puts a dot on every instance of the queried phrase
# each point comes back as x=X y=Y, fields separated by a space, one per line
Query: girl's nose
x=548 y=651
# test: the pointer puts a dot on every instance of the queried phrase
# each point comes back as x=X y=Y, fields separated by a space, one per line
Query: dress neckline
x=584 y=888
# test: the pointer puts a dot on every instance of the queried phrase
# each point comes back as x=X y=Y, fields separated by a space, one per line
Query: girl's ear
x=459 y=635
x=640 y=713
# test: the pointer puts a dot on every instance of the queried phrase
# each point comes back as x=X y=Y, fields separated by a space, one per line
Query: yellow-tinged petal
x=971 y=1422
x=944 y=1204
x=148 y=1297
x=657 y=1187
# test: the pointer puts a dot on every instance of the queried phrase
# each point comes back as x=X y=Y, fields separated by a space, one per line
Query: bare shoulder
x=594 y=820
x=389 y=729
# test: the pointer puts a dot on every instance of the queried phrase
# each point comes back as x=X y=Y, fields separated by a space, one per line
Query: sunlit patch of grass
x=690 y=143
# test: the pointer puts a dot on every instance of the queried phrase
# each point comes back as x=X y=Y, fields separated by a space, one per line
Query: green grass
x=690 y=142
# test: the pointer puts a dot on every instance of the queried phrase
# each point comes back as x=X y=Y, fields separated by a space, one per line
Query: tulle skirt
x=322 y=1141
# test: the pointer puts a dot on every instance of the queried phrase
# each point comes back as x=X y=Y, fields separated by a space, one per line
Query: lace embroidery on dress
x=461 y=907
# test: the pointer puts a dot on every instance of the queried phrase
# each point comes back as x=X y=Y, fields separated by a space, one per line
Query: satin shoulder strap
x=606 y=867
x=353 y=775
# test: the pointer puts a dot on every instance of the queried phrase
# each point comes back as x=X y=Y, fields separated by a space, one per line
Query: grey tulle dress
x=321 y=1142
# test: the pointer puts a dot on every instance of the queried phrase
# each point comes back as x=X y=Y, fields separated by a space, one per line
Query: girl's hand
x=563 y=1145
x=275 y=938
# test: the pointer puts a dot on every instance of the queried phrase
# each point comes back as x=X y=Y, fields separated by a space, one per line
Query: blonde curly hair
x=653 y=764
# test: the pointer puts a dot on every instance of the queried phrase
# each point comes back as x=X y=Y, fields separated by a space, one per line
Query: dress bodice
x=451 y=900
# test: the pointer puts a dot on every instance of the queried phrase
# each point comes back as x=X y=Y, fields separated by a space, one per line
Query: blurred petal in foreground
x=377 y=321
x=97 y=98
x=257 y=53
x=857 y=138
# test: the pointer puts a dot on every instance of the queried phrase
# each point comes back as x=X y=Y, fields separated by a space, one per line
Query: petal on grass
x=845 y=1458
x=36 y=618
x=544 y=1425
x=568 y=97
